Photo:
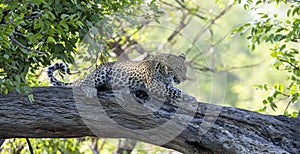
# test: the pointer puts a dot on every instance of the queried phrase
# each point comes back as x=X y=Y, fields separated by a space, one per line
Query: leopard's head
x=171 y=67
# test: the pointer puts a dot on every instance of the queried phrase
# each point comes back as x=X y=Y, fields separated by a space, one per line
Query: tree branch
x=12 y=38
x=206 y=128
x=182 y=25
x=184 y=7
x=210 y=23
x=34 y=16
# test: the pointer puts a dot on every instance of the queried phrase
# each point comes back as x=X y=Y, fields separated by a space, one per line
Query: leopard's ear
x=182 y=55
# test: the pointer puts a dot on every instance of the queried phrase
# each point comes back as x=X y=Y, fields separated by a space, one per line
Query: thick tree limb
x=63 y=112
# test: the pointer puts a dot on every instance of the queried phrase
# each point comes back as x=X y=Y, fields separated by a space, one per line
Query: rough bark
x=191 y=127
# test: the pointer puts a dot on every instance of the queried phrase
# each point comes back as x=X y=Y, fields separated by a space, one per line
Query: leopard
x=158 y=74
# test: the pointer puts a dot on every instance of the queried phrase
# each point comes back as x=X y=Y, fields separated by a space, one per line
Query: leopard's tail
x=57 y=66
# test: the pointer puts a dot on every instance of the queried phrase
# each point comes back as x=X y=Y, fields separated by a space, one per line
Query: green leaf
x=286 y=113
x=296 y=72
x=294 y=114
x=273 y=106
x=246 y=6
x=51 y=40
x=270 y=99
x=18 y=78
x=252 y=47
x=264 y=16
x=30 y=97
x=80 y=24
x=258 y=2
x=63 y=16
x=5 y=90
x=282 y=47
x=262 y=109
x=288 y=12
x=6 y=56
x=64 y=24
x=281 y=88
x=278 y=37
x=266 y=87
x=265 y=102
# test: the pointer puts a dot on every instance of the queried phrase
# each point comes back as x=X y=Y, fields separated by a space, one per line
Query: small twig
x=29 y=145
x=183 y=6
x=23 y=46
x=293 y=65
x=195 y=40
x=141 y=27
x=289 y=103
x=32 y=17
x=180 y=27
x=207 y=27
x=242 y=67
x=205 y=68
x=20 y=34
x=1 y=142
x=19 y=148
x=102 y=145
x=222 y=13
x=169 y=4
x=130 y=42
x=94 y=146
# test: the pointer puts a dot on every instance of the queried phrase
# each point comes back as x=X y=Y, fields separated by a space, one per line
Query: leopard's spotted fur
x=156 y=73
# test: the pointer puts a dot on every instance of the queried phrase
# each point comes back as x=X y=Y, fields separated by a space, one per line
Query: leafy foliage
x=34 y=33
x=43 y=145
x=284 y=35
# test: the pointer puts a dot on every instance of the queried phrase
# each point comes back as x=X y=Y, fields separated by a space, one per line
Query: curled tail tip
x=57 y=66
